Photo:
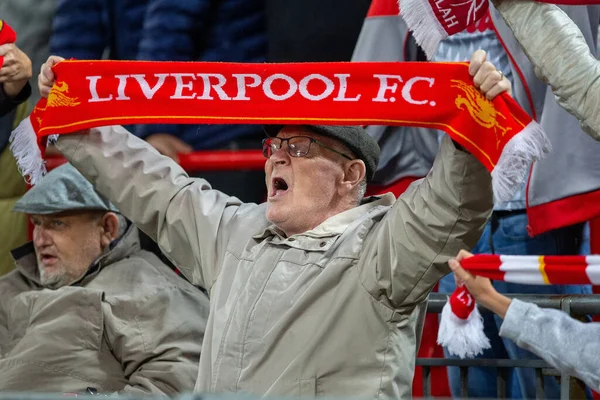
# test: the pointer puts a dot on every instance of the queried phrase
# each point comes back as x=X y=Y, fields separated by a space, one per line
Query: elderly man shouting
x=86 y=310
x=317 y=292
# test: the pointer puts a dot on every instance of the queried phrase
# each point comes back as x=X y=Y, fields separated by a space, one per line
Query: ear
x=109 y=224
x=354 y=174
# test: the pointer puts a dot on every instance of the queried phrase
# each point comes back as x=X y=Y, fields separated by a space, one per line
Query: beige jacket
x=335 y=311
x=131 y=325
x=561 y=56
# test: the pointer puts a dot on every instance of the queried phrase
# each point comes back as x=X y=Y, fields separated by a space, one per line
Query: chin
x=272 y=215
x=277 y=215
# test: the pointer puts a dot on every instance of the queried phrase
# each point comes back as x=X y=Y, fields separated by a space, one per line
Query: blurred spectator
x=32 y=20
x=313 y=30
x=14 y=92
x=575 y=84
x=507 y=231
x=97 y=29
x=203 y=30
x=15 y=73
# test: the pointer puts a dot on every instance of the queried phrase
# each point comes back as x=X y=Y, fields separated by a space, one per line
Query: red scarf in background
x=95 y=93
x=536 y=270
x=7 y=35
x=461 y=325
x=431 y=21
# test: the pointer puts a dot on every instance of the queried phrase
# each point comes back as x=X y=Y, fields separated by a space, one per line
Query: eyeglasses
x=297 y=146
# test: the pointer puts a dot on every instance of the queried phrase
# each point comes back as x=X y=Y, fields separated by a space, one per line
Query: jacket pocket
x=56 y=341
x=72 y=316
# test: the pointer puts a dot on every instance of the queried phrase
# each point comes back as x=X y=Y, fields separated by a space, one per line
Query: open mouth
x=48 y=259
x=279 y=187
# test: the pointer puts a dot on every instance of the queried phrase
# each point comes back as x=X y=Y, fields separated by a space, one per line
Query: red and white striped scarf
x=536 y=270
x=461 y=325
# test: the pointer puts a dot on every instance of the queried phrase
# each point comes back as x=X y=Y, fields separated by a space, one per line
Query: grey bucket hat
x=354 y=137
x=62 y=189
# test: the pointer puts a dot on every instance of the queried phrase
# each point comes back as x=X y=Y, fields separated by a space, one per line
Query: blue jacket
x=85 y=29
x=204 y=30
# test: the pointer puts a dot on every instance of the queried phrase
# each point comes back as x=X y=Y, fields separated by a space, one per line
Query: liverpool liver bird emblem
x=481 y=109
x=58 y=97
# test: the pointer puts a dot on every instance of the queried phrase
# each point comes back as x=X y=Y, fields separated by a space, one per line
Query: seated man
x=86 y=308
x=318 y=291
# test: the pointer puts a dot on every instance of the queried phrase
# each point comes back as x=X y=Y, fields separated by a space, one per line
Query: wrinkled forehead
x=82 y=215
x=299 y=130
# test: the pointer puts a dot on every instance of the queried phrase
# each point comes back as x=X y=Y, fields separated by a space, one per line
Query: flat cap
x=354 y=137
x=62 y=189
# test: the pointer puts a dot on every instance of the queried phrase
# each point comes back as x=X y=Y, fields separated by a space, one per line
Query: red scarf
x=431 y=21
x=7 y=35
x=95 y=93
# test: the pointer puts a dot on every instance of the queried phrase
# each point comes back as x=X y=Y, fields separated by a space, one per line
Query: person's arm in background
x=172 y=32
x=15 y=73
x=565 y=343
x=560 y=55
x=80 y=29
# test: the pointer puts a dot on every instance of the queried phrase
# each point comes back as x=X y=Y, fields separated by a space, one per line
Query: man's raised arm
x=183 y=215
x=427 y=224
x=430 y=222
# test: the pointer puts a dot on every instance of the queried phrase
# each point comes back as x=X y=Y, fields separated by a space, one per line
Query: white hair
x=361 y=190
x=123 y=224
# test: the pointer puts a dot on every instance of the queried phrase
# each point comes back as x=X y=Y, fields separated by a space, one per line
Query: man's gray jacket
x=334 y=311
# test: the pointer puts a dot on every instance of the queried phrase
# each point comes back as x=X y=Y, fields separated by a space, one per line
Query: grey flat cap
x=62 y=189
x=354 y=137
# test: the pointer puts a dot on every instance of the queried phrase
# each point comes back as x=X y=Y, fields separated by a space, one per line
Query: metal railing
x=208 y=160
x=574 y=305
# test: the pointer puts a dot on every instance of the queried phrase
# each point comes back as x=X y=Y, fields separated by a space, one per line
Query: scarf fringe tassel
x=513 y=166
x=425 y=27
x=24 y=147
x=462 y=337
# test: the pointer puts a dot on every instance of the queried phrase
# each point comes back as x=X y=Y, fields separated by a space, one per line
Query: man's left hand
x=490 y=81
x=15 y=71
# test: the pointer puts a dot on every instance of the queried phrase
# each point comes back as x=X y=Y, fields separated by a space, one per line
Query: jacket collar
x=129 y=243
x=337 y=224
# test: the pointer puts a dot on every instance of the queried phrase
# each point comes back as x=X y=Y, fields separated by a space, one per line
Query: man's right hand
x=46 y=77
x=169 y=145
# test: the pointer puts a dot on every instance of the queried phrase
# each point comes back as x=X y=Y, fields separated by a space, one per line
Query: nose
x=280 y=156
x=41 y=237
